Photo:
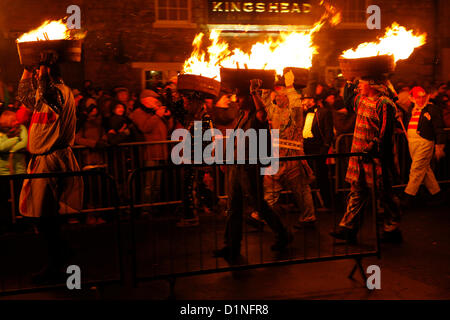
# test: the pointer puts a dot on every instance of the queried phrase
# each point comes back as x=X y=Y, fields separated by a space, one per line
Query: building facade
x=135 y=43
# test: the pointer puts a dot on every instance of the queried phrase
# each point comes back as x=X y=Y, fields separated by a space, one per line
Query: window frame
x=353 y=24
x=168 y=69
x=167 y=23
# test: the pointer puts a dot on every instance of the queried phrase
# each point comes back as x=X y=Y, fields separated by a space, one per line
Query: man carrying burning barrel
x=244 y=181
x=51 y=133
x=373 y=134
x=285 y=114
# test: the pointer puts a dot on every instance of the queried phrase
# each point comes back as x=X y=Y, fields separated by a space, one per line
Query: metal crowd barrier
x=100 y=262
x=171 y=251
x=402 y=162
x=163 y=250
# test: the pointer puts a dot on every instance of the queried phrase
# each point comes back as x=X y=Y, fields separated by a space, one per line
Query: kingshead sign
x=263 y=12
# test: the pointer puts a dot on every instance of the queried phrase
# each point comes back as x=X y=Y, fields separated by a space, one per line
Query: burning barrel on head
x=376 y=67
x=51 y=36
x=191 y=83
x=67 y=50
x=197 y=88
x=239 y=79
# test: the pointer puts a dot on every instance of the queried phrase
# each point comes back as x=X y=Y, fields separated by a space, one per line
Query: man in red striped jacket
x=373 y=134
x=425 y=135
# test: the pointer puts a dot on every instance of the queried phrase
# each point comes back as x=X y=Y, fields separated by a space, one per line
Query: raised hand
x=289 y=78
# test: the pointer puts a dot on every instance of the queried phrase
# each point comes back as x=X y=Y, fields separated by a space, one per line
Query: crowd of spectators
x=110 y=117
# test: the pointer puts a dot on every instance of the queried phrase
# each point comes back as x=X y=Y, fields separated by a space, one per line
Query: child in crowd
x=119 y=126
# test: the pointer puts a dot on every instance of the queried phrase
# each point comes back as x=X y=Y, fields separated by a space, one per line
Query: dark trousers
x=358 y=200
x=244 y=180
x=189 y=176
x=320 y=169
x=196 y=193
x=51 y=234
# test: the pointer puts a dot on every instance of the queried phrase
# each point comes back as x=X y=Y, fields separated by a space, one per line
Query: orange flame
x=49 y=30
x=397 y=41
x=289 y=49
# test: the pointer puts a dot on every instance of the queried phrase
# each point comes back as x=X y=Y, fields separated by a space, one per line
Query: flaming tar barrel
x=240 y=78
x=371 y=67
x=194 y=83
x=68 y=50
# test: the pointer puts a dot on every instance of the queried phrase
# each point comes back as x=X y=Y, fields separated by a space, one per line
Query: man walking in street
x=373 y=134
x=244 y=181
x=425 y=136
x=51 y=135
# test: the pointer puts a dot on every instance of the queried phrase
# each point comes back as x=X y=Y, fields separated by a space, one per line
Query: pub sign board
x=263 y=12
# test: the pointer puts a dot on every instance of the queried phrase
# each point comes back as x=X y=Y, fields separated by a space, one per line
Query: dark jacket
x=153 y=128
x=431 y=129
x=344 y=122
x=322 y=128
x=89 y=135
x=117 y=123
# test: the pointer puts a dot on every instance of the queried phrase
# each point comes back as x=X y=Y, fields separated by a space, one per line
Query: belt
x=52 y=149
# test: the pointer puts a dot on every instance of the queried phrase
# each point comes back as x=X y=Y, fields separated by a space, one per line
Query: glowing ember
x=396 y=41
x=49 y=30
x=290 y=49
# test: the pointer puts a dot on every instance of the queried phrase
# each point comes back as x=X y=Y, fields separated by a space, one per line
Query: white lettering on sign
x=260 y=7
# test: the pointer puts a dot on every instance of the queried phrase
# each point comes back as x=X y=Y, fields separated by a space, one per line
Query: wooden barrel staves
x=240 y=79
x=375 y=67
x=194 y=83
x=68 y=50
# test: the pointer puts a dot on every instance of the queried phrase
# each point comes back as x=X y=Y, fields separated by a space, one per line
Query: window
x=154 y=72
x=353 y=12
x=152 y=77
x=173 y=12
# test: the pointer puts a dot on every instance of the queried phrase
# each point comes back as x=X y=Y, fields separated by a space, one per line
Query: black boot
x=406 y=200
x=437 y=199
x=392 y=236
x=305 y=225
x=346 y=234
x=228 y=253
x=282 y=242
x=49 y=275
